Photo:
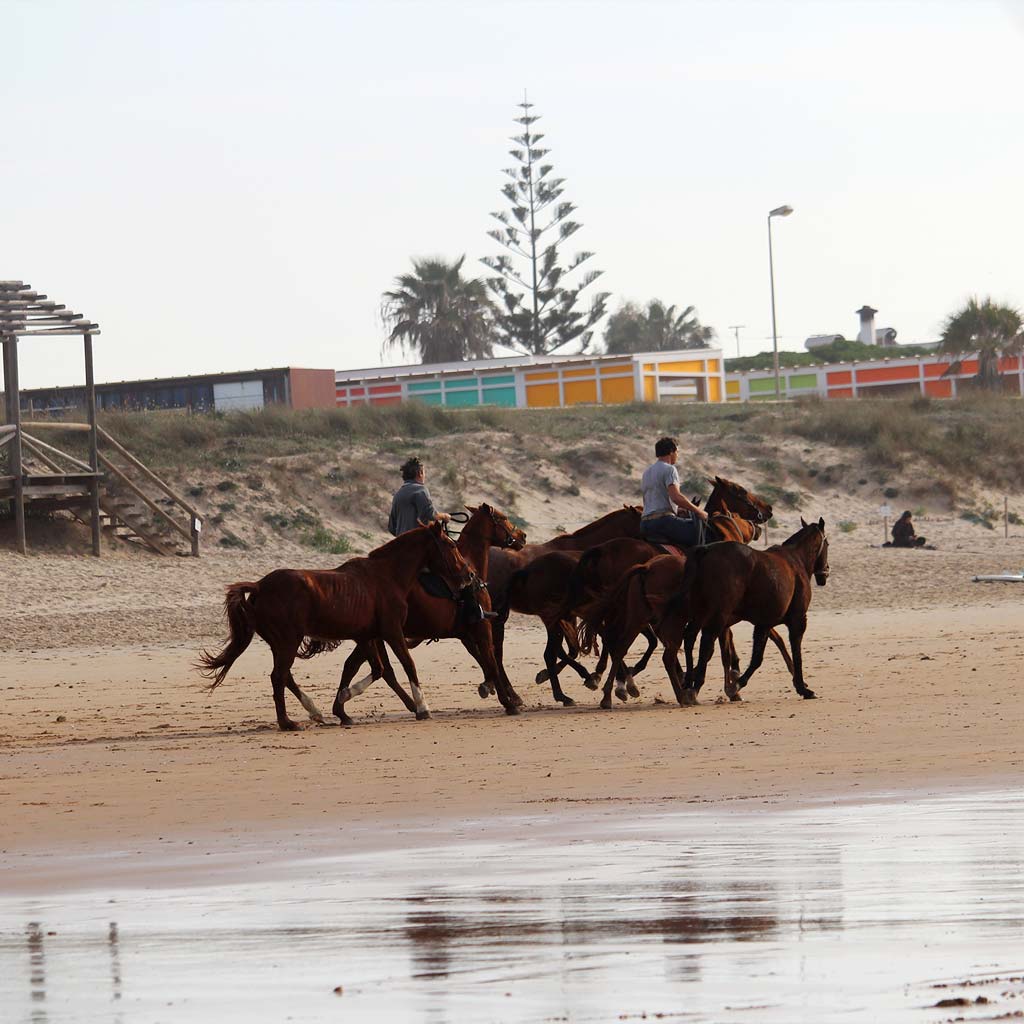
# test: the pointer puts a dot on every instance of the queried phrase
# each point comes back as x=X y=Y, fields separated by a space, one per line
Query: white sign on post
x=884 y=510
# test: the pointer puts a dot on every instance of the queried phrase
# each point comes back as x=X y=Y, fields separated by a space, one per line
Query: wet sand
x=897 y=909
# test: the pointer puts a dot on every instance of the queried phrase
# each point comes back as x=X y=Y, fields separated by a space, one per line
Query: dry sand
x=108 y=741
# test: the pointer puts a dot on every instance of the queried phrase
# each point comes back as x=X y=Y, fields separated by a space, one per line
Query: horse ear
x=472 y=511
x=710 y=481
x=802 y=521
x=821 y=524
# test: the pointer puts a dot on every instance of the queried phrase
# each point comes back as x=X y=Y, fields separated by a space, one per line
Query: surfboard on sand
x=1005 y=577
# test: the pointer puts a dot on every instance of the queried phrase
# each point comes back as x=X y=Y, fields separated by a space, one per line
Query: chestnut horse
x=554 y=590
x=730 y=583
x=365 y=599
x=434 y=618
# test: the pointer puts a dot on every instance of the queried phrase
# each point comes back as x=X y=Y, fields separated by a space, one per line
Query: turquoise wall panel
x=457 y=398
x=504 y=379
x=500 y=396
x=428 y=399
x=429 y=385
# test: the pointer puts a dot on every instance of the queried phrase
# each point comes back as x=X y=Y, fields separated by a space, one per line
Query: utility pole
x=736 y=328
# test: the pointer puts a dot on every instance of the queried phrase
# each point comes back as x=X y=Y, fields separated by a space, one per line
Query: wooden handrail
x=55 y=425
x=136 y=490
x=148 y=473
x=40 y=454
x=54 y=451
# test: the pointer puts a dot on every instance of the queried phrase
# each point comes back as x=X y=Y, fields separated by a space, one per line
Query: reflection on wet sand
x=817 y=915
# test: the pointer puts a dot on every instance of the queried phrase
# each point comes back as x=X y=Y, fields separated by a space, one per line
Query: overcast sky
x=232 y=185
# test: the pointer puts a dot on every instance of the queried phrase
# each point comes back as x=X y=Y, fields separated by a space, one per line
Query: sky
x=231 y=185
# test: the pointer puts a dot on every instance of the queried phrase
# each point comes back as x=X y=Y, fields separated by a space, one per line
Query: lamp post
x=779 y=211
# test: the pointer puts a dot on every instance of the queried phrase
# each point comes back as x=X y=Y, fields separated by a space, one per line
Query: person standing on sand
x=663 y=519
x=411 y=505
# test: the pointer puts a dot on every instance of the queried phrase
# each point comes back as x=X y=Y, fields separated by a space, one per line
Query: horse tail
x=238 y=609
x=584 y=577
x=595 y=617
x=311 y=648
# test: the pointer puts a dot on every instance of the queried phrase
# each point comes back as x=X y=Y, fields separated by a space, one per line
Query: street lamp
x=779 y=211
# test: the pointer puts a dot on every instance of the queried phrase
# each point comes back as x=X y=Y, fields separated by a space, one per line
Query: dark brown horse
x=365 y=599
x=433 y=618
x=623 y=522
x=733 y=514
x=730 y=583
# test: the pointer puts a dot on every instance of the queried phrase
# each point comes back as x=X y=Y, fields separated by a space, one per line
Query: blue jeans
x=684 y=533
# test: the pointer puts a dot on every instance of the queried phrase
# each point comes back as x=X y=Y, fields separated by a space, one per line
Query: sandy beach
x=109 y=741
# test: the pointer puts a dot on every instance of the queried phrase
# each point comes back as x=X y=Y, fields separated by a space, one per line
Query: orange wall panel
x=938 y=388
x=577 y=391
x=617 y=390
x=542 y=395
x=840 y=377
x=887 y=374
x=840 y=393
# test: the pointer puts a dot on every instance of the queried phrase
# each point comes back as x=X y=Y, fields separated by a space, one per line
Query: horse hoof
x=542 y=676
x=514 y=709
x=621 y=694
x=606 y=704
x=689 y=699
x=345 y=720
x=809 y=695
x=289 y=726
x=482 y=690
x=568 y=702
x=422 y=716
x=592 y=682
x=735 y=697
x=632 y=689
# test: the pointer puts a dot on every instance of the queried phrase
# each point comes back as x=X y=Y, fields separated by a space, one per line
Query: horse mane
x=395 y=546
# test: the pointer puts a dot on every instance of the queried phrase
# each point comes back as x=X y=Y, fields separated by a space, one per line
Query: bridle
x=508 y=540
x=825 y=571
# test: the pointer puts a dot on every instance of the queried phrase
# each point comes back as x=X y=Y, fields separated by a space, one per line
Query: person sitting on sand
x=904 y=535
x=411 y=505
x=661 y=522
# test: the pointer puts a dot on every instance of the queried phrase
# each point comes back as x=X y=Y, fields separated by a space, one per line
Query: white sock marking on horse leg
x=417 y=698
x=361 y=684
x=311 y=708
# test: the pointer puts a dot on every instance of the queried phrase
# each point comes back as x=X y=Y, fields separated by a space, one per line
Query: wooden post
x=14 y=417
x=1006 y=516
x=885 y=528
x=94 y=462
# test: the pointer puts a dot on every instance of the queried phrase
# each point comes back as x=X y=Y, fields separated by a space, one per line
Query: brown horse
x=365 y=599
x=623 y=522
x=730 y=583
x=733 y=514
x=434 y=618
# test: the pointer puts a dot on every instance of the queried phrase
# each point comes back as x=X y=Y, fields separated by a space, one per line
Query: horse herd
x=595 y=590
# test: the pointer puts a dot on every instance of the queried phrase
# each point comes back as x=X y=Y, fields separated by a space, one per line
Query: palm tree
x=987 y=328
x=438 y=314
x=658 y=328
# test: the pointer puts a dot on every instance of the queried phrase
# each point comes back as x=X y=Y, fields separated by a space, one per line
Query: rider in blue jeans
x=661 y=524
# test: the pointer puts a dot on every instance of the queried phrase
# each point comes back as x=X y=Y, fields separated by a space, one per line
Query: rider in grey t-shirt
x=411 y=504
x=660 y=484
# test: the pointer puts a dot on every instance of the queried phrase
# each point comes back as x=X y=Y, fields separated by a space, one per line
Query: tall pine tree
x=537 y=307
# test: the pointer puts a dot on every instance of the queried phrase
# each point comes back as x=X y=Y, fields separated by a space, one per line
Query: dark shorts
x=684 y=533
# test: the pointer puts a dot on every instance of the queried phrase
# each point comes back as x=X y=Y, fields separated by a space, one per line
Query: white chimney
x=867 y=325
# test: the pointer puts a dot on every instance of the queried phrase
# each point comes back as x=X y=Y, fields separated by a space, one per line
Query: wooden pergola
x=25 y=313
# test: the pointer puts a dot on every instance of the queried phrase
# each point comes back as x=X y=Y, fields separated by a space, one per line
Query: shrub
x=323 y=540
x=847 y=526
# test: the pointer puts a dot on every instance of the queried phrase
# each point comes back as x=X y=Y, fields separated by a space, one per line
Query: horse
x=623 y=522
x=365 y=599
x=434 y=618
x=730 y=583
x=734 y=513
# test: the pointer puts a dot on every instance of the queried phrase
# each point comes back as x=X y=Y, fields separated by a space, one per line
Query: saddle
x=435 y=586
x=671 y=549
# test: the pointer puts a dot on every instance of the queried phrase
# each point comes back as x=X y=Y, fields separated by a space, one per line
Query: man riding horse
x=669 y=517
x=412 y=506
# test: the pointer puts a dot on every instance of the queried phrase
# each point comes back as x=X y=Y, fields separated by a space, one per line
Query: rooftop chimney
x=867 y=325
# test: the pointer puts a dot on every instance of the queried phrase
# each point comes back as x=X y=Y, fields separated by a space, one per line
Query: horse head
x=821 y=570
x=738 y=500
x=445 y=559
x=504 y=533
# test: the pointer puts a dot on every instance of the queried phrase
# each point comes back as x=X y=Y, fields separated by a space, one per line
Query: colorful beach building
x=928 y=375
x=542 y=382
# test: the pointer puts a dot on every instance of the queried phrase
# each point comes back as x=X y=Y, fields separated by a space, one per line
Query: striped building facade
x=532 y=382
x=914 y=375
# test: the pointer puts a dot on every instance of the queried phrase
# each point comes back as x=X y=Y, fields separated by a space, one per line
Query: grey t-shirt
x=655 y=483
x=410 y=506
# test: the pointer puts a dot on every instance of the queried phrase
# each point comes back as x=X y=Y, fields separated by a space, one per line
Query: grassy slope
x=324 y=478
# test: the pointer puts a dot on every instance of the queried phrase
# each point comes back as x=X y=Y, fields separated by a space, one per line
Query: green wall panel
x=456 y=398
x=763 y=384
x=803 y=380
x=500 y=396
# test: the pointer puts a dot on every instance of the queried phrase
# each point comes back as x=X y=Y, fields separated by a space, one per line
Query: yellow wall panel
x=712 y=366
x=714 y=390
x=586 y=371
x=690 y=366
x=650 y=389
x=618 y=390
x=616 y=368
x=732 y=387
x=649 y=367
x=541 y=395
x=577 y=391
